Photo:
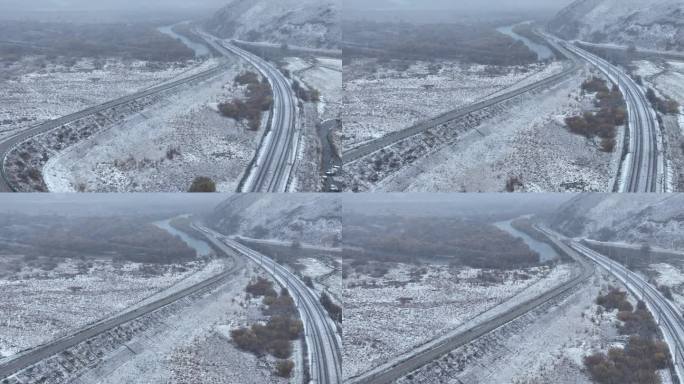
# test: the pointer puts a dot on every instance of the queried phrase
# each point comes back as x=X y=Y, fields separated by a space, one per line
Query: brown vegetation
x=638 y=361
x=202 y=184
x=334 y=310
x=611 y=114
x=259 y=99
x=635 y=364
x=274 y=337
x=459 y=242
x=664 y=106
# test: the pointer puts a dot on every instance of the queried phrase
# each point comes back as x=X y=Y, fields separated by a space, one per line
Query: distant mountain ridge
x=650 y=24
x=632 y=218
x=306 y=23
x=307 y=218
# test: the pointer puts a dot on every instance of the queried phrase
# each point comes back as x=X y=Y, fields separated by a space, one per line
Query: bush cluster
x=611 y=114
x=259 y=99
x=643 y=355
x=664 y=106
x=273 y=337
x=635 y=364
x=334 y=310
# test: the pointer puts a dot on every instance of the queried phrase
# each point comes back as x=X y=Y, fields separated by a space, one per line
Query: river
x=545 y=251
x=200 y=49
x=543 y=52
x=200 y=246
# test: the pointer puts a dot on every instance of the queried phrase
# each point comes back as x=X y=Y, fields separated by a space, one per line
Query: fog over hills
x=310 y=23
x=652 y=24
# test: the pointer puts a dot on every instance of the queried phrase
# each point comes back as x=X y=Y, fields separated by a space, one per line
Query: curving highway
x=271 y=168
x=643 y=165
x=42 y=352
x=667 y=315
x=431 y=351
x=8 y=143
x=320 y=331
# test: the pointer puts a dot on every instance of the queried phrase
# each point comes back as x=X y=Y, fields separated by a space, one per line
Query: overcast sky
x=458 y=5
x=89 y=5
x=96 y=204
x=453 y=204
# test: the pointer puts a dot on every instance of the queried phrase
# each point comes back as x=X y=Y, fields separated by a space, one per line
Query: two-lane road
x=320 y=330
x=433 y=350
x=42 y=352
x=8 y=143
x=275 y=159
x=375 y=145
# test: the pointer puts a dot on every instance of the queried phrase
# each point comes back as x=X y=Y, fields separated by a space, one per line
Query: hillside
x=310 y=219
x=650 y=24
x=632 y=218
x=307 y=23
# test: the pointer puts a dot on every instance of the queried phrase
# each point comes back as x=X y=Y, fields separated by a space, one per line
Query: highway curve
x=643 y=164
x=8 y=143
x=321 y=338
x=373 y=146
x=42 y=352
x=435 y=349
x=666 y=313
x=271 y=168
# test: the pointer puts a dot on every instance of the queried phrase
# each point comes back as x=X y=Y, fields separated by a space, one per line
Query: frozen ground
x=385 y=317
x=526 y=139
x=134 y=155
x=193 y=346
x=667 y=79
x=672 y=276
x=44 y=305
x=324 y=75
x=379 y=98
x=546 y=346
x=31 y=94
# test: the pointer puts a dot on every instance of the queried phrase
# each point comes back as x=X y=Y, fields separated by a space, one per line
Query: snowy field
x=526 y=139
x=194 y=345
x=324 y=75
x=30 y=95
x=388 y=316
x=672 y=276
x=546 y=346
x=667 y=79
x=45 y=305
x=134 y=155
x=375 y=102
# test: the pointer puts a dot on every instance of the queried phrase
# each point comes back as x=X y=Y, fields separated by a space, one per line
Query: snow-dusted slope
x=309 y=23
x=633 y=218
x=308 y=218
x=651 y=24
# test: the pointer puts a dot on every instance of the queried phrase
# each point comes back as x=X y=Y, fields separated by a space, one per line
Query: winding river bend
x=543 y=52
x=545 y=251
x=201 y=247
x=200 y=49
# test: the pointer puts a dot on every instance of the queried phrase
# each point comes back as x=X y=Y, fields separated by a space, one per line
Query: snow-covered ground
x=324 y=75
x=194 y=346
x=133 y=155
x=526 y=139
x=388 y=316
x=546 y=346
x=39 y=306
x=671 y=275
x=667 y=79
x=34 y=95
x=380 y=101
